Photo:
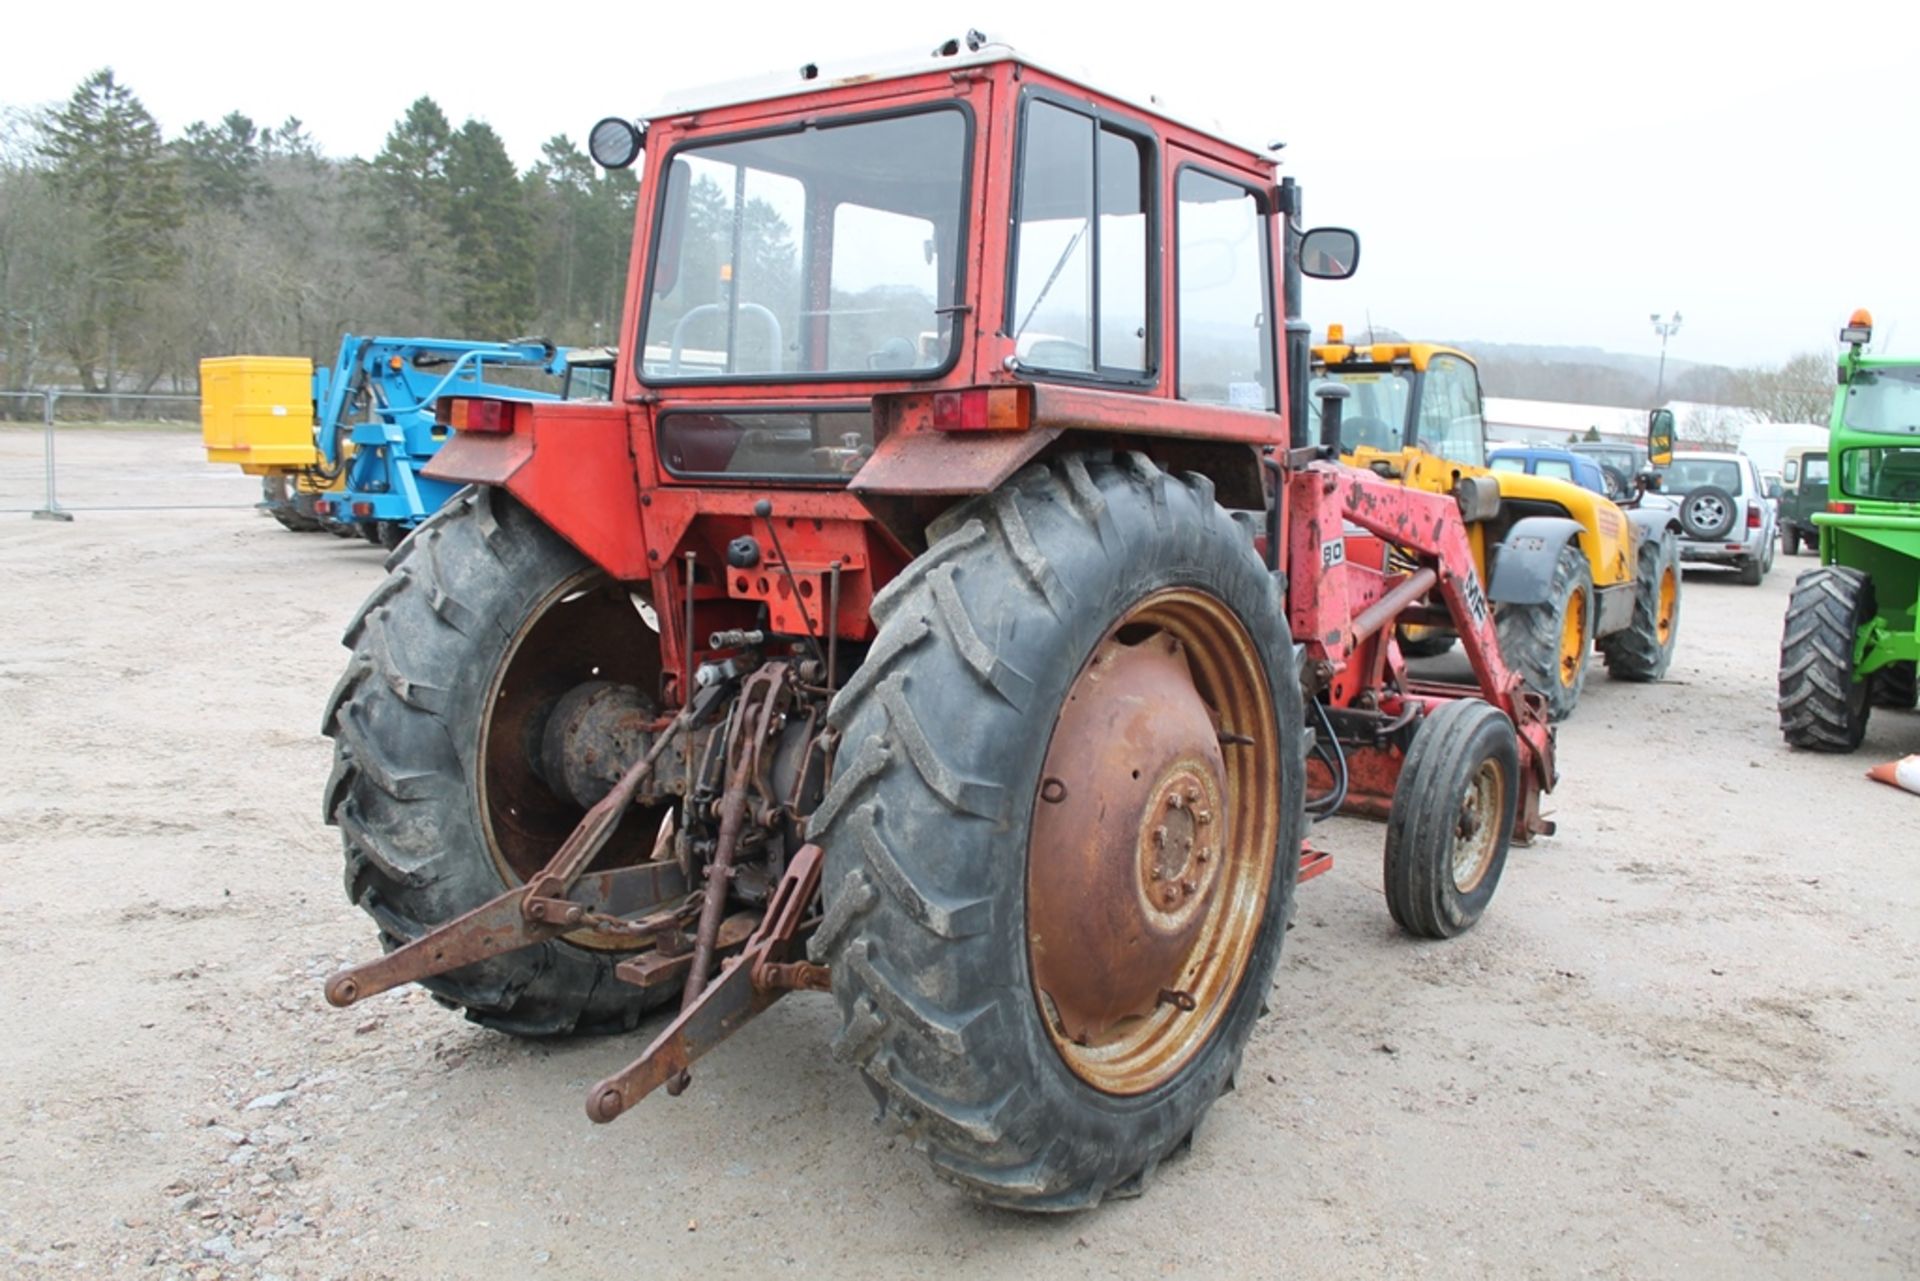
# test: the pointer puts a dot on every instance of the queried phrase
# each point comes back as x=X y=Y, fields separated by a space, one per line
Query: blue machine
x=379 y=396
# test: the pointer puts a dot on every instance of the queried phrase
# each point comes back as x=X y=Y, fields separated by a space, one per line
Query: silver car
x=1725 y=518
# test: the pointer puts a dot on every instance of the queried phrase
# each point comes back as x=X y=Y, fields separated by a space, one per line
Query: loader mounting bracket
x=748 y=984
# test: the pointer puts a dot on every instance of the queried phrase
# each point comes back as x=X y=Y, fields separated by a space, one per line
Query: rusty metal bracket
x=512 y=921
x=749 y=984
x=554 y=901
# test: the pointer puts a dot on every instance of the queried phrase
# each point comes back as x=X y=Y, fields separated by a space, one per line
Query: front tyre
x=1547 y=642
x=1064 y=830
x=1823 y=703
x=1452 y=819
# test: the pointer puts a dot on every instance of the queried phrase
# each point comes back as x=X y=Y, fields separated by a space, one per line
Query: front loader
x=942 y=614
x=1570 y=572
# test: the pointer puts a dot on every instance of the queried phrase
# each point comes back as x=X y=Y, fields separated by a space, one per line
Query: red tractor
x=942 y=614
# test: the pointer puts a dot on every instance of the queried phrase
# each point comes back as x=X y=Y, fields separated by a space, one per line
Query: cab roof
x=1354 y=355
x=973 y=50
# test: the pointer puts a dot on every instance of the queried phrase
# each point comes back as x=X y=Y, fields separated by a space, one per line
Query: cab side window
x=1221 y=273
x=1082 y=249
x=1450 y=422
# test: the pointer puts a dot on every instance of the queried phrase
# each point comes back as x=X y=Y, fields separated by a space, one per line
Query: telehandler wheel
x=1064 y=830
x=1894 y=686
x=1644 y=650
x=485 y=618
x=277 y=496
x=1424 y=642
x=1548 y=642
x=1452 y=819
x=1823 y=707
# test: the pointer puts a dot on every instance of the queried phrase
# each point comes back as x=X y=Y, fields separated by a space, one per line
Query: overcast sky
x=1519 y=172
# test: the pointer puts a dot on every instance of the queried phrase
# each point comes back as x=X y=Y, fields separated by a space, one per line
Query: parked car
x=1620 y=462
x=1561 y=464
x=1803 y=491
x=1725 y=518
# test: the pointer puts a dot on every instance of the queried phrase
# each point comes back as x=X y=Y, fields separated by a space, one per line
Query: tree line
x=127 y=256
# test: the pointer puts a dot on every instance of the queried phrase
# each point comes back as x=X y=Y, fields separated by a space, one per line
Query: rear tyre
x=1894 y=686
x=1644 y=651
x=484 y=618
x=1789 y=539
x=1452 y=819
x=1823 y=705
x=1032 y=738
x=1547 y=642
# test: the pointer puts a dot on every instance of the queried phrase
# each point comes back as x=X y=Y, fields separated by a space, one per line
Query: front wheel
x=1789 y=539
x=1064 y=830
x=1823 y=703
x=1546 y=642
x=1452 y=819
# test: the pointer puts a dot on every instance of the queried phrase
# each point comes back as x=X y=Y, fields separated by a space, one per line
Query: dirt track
x=1683 y=1042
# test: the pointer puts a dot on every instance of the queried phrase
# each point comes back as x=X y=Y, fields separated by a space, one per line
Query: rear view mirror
x=1660 y=437
x=1329 y=253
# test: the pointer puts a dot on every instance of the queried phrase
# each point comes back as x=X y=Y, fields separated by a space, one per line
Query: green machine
x=1851 y=639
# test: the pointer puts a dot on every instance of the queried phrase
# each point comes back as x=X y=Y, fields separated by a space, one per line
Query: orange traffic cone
x=1903 y=773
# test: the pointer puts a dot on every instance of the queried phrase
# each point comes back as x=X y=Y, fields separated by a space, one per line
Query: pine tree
x=410 y=173
x=220 y=164
x=105 y=156
x=492 y=235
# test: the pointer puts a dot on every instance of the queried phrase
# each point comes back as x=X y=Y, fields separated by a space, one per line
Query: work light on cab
x=1859 y=328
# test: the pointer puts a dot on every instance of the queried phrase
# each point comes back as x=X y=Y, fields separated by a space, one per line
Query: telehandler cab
x=939 y=615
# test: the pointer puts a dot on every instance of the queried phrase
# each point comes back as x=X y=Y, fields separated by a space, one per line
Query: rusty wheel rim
x=585 y=628
x=1476 y=834
x=1152 y=846
x=1573 y=639
x=1669 y=603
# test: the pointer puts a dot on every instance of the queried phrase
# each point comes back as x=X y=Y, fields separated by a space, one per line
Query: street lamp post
x=1666 y=329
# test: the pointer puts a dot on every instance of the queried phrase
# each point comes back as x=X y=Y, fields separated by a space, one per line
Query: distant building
x=1556 y=422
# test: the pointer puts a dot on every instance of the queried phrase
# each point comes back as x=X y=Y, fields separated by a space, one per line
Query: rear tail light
x=1840 y=509
x=983 y=409
x=324 y=506
x=472 y=414
x=1753 y=515
x=363 y=510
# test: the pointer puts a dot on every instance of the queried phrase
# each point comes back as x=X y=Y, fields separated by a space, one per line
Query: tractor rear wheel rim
x=1151 y=855
x=1476 y=836
x=1573 y=639
x=1669 y=601
x=586 y=628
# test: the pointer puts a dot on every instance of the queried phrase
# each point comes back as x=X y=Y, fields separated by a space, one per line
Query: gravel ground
x=1682 y=1042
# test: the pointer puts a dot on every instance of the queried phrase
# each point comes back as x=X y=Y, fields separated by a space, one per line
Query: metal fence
x=55 y=409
